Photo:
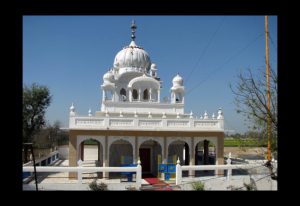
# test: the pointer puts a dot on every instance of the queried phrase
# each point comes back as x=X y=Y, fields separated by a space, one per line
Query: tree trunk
x=25 y=153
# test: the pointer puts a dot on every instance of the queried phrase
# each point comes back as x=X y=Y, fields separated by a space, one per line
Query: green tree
x=36 y=99
x=50 y=136
x=251 y=101
x=56 y=135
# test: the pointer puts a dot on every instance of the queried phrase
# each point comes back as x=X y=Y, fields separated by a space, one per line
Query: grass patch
x=198 y=186
x=244 y=143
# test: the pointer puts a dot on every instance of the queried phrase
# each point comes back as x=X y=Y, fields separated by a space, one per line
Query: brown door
x=145 y=159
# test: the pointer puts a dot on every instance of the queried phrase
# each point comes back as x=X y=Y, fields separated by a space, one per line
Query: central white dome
x=132 y=56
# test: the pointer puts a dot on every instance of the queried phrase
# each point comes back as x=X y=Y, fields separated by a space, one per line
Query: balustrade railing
x=148 y=122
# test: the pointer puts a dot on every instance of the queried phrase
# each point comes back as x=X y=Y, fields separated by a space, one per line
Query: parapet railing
x=147 y=123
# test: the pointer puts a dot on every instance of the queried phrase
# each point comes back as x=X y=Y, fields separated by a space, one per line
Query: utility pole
x=268 y=90
x=26 y=145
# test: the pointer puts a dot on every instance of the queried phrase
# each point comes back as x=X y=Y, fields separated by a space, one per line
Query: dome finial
x=133 y=28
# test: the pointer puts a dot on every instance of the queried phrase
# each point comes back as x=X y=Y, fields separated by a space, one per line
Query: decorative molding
x=171 y=123
x=205 y=123
x=121 y=122
x=89 y=122
x=150 y=123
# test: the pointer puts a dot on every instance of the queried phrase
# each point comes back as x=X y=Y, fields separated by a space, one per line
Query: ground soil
x=246 y=152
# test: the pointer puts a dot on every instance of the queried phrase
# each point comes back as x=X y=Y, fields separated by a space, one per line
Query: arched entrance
x=205 y=154
x=120 y=154
x=150 y=153
x=91 y=153
x=179 y=149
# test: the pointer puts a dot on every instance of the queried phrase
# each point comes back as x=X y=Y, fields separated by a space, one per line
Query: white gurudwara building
x=135 y=123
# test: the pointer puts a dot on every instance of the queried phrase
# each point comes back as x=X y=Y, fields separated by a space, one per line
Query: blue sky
x=70 y=54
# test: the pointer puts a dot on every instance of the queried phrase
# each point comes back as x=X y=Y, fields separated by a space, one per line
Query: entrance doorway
x=145 y=159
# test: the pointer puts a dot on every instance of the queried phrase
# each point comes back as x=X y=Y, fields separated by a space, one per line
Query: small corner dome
x=132 y=56
x=153 y=66
x=108 y=76
x=177 y=80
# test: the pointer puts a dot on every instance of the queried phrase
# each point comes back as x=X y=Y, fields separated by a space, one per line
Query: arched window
x=123 y=94
x=135 y=94
x=109 y=95
x=146 y=94
x=178 y=98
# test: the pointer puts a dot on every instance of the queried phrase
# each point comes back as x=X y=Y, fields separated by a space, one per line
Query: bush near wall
x=94 y=186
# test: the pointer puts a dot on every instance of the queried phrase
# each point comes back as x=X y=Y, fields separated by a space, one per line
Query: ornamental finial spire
x=133 y=28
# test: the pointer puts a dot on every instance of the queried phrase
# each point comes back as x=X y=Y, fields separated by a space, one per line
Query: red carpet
x=157 y=183
x=153 y=180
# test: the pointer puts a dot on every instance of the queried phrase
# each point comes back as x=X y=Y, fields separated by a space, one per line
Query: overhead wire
x=275 y=47
x=205 y=49
x=239 y=52
x=229 y=125
x=270 y=37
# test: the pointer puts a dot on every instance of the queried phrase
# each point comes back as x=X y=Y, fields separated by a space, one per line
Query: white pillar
x=183 y=155
x=140 y=94
x=192 y=157
x=150 y=94
x=173 y=97
x=229 y=171
x=103 y=95
x=79 y=172
x=113 y=96
x=105 y=157
x=178 y=172
x=130 y=94
x=139 y=175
